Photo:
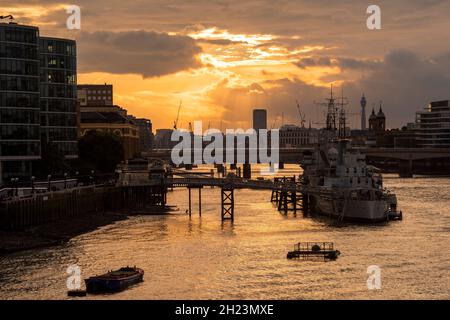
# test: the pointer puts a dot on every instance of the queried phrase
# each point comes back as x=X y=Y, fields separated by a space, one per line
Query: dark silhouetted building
x=58 y=89
x=145 y=133
x=19 y=100
x=163 y=139
x=95 y=94
x=259 y=119
x=37 y=98
x=292 y=136
x=112 y=119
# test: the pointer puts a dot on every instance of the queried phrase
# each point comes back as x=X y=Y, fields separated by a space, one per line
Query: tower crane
x=302 y=115
x=274 y=123
x=175 y=123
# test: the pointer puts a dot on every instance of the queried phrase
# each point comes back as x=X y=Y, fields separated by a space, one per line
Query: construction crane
x=175 y=123
x=302 y=115
x=274 y=123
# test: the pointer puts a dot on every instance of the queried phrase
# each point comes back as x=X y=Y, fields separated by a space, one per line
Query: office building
x=19 y=100
x=97 y=113
x=433 y=125
x=112 y=119
x=292 y=136
x=58 y=99
x=37 y=98
x=145 y=133
x=163 y=139
x=95 y=95
x=259 y=119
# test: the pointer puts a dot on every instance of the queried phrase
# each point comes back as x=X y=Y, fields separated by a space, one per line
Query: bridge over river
x=405 y=161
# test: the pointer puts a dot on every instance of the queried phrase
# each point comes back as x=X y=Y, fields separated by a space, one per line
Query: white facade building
x=433 y=125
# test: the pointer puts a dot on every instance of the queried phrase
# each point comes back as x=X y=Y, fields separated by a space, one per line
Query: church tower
x=381 y=120
x=377 y=122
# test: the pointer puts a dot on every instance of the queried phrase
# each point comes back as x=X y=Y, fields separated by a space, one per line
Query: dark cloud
x=337 y=24
x=147 y=53
x=406 y=83
x=403 y=81
x=278 y=96
x=315 y=62
x=344 y=63
x=219 y=42
x=406 y=64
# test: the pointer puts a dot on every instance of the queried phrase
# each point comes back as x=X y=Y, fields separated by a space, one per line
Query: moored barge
x=114 y=281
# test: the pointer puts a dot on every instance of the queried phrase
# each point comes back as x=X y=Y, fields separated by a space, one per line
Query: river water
x=201 y=258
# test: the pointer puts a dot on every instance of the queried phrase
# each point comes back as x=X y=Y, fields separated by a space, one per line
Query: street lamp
x=32 y=184
x=92 y=176
x=65 y=180
x=15 y=186
x=76 y=174
x=49 y=179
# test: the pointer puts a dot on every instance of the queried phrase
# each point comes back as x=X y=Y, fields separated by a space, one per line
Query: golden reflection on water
x=203 y=258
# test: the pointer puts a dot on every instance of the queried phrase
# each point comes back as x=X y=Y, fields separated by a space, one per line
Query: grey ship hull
x=355 y=210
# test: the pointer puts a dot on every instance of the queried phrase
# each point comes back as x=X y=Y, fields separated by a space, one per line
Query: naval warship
x=342 y=185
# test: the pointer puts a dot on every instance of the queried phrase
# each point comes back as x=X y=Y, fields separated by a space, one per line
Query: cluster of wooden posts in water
x=19 y=212
x=289 y=200
x=285 y=195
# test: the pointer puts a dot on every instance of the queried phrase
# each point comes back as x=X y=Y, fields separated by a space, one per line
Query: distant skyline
x=224 y=58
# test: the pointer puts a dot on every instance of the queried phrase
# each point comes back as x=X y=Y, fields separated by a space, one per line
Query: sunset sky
x=224 y=58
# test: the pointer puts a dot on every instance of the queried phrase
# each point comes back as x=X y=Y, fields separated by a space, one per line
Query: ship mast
x=342 y=116
x=331 y=113
x=336 y=119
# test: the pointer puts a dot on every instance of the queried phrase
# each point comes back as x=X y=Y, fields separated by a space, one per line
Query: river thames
x=201 y=258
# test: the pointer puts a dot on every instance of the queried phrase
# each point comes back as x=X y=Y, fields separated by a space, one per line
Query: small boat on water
x=114 y=281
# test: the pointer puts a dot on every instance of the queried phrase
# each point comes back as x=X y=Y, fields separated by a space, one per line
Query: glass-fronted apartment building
x=38 y=99
x=19 y=100
x=58 y=94
x=433 y=125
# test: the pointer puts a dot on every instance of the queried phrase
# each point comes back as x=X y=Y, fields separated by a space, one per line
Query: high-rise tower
x=259 y=119
x=363 y=112
x=20 y=143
